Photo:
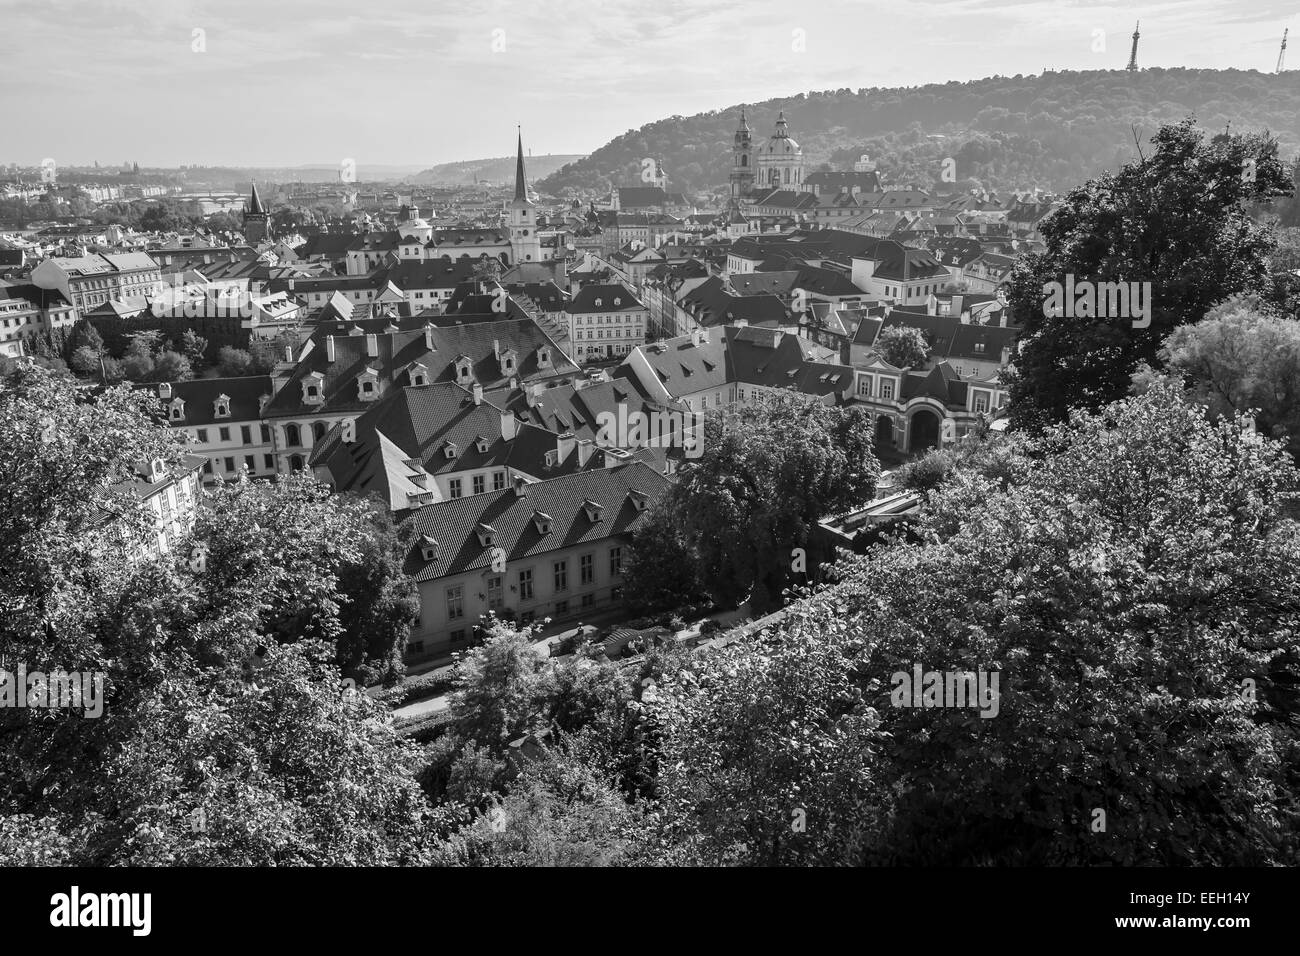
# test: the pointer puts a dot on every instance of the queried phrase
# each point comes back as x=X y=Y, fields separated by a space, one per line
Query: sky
x=420 y=82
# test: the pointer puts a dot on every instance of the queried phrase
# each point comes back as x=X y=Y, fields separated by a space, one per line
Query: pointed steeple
x=521 y=181
x=255 y=202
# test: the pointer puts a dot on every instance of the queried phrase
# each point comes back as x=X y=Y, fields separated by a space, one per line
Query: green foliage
x=286 y=766
x=902 y=346
x=233 y=362
x=660 y=568
x=1052 y=130
x=1177 y=220
x=769 y=472
x=1243 y=357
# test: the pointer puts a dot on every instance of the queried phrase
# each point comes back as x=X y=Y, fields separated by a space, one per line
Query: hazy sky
x=417 y=82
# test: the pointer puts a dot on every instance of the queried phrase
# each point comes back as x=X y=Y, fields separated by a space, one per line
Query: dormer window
x=618 y=301
x=593 y=509
x=178 y=409
x=449 y=450
x=156 y=468
x=221 y=407
x=419 y=374
x=486 y=534
x=544 y=357
x=428 y=548
x=481 y=444
x=463 y=369
x=313 y=391
x=640 y=500
x=542 y=521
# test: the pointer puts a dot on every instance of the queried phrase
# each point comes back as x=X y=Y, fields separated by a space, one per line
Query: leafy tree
x=171 y=367
x=1240 y=358
x=85 y=361
x=1175 y=219
x=769 y=472
x=85 y=335
x=660 y=567
x=323 y=566
x=193 y=347
x=497 y=687
x=198 y=757
x=902 y=346
x=233 y=362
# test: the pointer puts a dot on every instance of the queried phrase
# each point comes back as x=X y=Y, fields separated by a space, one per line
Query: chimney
x=699 y=337
x=329 y=348
x=534 y=392
x=564 y=445
x=478 y=394
x=521 y=487
x=372 y=345
x=428 y=337
x=496 y=348
x=585 y=447
x=509 y=425
x=164 y=390
x=288 y=353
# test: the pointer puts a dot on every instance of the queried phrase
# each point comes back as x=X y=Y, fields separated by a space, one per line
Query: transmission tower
x=1281 y=56
x=1133 y=57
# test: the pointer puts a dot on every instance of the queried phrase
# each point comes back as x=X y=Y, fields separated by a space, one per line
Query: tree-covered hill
x=1053 y=130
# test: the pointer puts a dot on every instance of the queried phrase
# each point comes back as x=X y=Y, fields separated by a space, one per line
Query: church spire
x=521 y=182
x=255 y=201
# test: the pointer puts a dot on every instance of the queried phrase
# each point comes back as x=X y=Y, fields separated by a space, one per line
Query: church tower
x=257 y=227
x=524 y=242
x=742 y=160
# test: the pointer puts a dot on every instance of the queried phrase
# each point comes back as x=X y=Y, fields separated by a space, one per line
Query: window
x=526 y=585
x=587 y=569
x=887 y=390
x=245 y=435
x=561 y=607
x=453 y=487
x=615 y=561
x=561 y=575
x=864 y=387
x=458 y=636
x=230 y=463
x=981 y=404
x=269 y=462
x=201 y=434
x=494 y=592
x=292 y=436
x=527 y=617
x=415 y=647
x=317 y=431
x=266 y=434
x=588 y=600
x=498 y=480
x=455 y=603
x=480 y=484
x=250 y=463
x=224 y=433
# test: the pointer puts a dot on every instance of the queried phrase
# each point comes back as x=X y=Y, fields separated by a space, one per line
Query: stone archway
x=884 y=430
x=923 y=431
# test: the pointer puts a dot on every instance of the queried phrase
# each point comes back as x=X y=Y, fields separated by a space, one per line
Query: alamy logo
x=946 y=689
x=663 y=429
x=72 y=690
x=1086 y=299
x=103 y=909
x=177 y=298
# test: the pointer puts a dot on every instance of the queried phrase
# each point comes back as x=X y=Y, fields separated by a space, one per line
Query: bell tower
x=742 y=160
x=524 y=242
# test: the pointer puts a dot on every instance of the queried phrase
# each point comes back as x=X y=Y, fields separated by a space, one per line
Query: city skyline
x=319 y=76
